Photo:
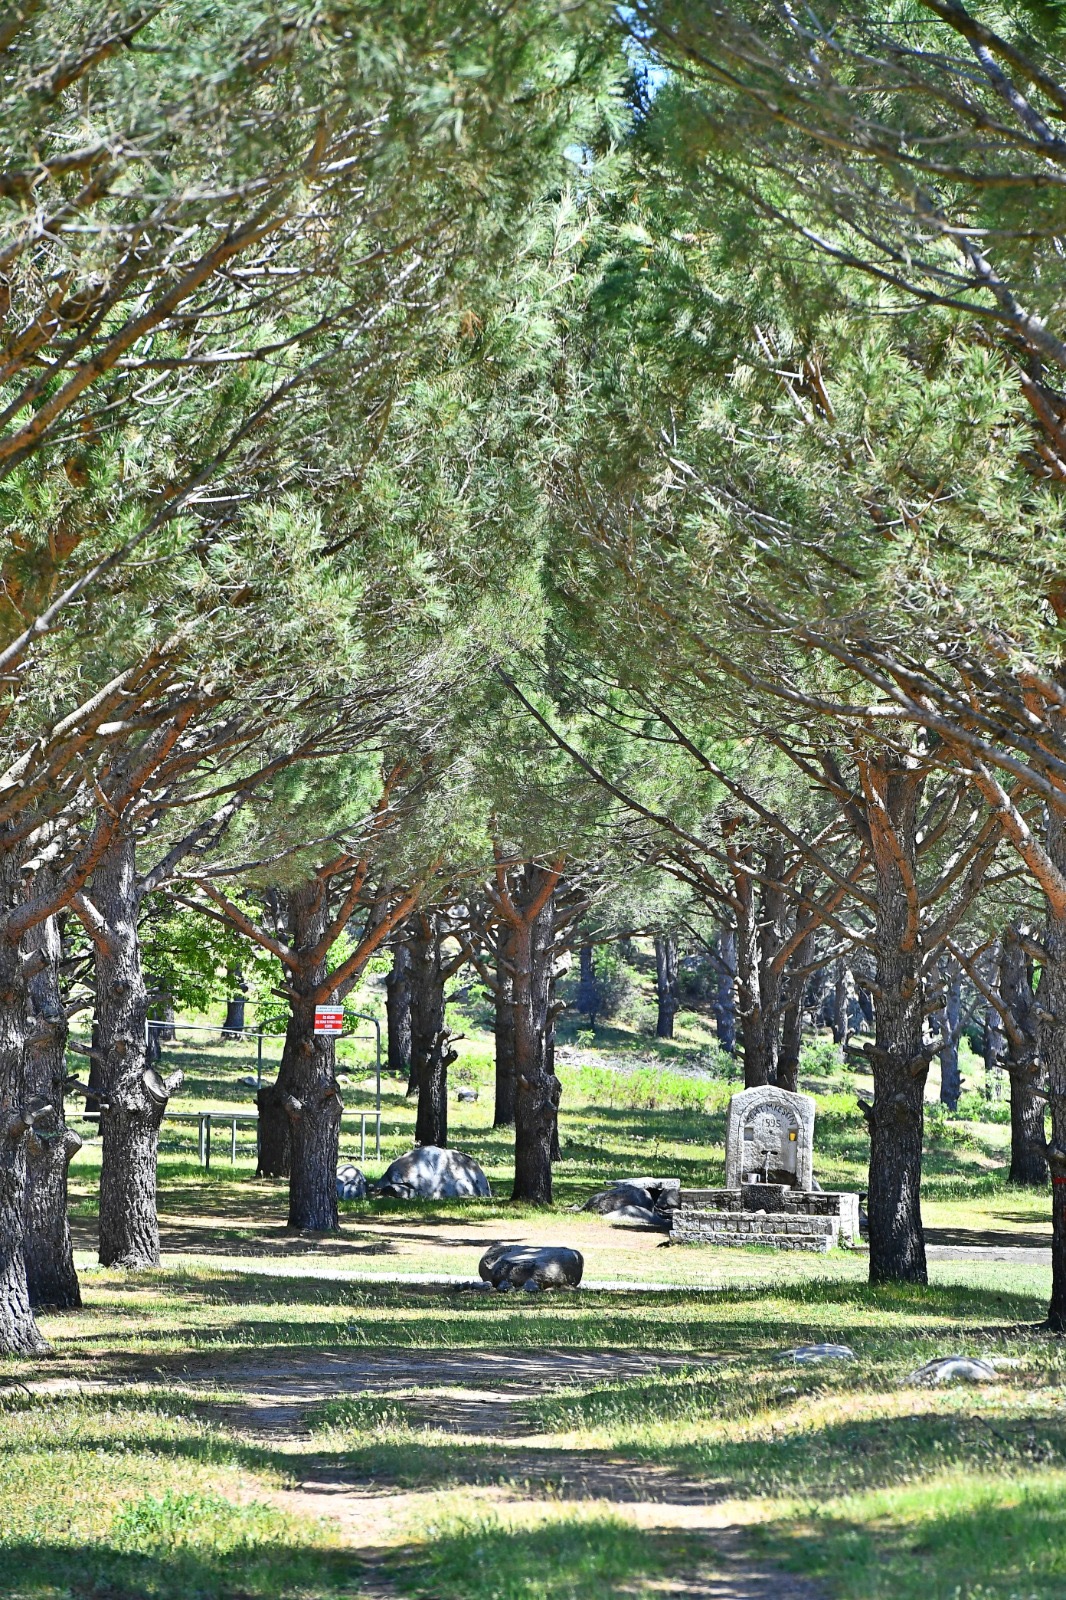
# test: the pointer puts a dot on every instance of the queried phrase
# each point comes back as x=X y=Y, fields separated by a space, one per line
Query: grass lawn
x=261 y=1418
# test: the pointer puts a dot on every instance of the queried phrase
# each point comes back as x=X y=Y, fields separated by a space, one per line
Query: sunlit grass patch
x=958 y=1536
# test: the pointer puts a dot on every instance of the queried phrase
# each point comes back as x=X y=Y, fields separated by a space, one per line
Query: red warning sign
x=329 y=1019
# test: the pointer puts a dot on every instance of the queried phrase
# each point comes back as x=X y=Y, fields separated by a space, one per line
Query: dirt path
x=483 y=1445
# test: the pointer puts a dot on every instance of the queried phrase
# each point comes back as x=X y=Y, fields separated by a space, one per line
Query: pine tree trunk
x=950 y=1079
x=759 y=1059
x=274 y=1143
x=47 y=1243
x=1052 y=1019
x=300 y=1113
x=898 y=1055
x=19 y=1334
x=233 y=1027
x=504 y=1113
x=1028 y=1162
x=430 y=1053
x=666 y=987
x=725 y=1005
x=538 y=1090
x=792 y=993
x=398 y=1013
x=133 y=1096
x=312 y=1105
x=841 y=1021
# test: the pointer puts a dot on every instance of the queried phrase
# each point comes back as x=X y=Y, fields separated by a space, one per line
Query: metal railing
x=206 y=1119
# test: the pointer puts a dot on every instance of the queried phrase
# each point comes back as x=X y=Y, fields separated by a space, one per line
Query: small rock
x=818 y=1352
x=954 y=1369
x=467 y=1094
x=550 y=1266
x=249 y=1081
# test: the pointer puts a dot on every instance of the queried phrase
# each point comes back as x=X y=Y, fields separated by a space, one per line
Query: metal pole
x=259 y=1062
x=362 y=1135
x=233 y=1143
x=207 y=1141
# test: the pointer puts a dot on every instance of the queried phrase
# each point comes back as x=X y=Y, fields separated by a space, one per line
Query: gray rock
x=638 y=1217
x=466 y=1094
x=616 y=1197
x=630 y=1196
x=549 y=1266
x=954 y=1369
x=818 y=1352
x=351 y=1184
x=430 y=1173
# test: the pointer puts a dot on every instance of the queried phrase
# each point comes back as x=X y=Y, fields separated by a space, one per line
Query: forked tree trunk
x=47 y=1244
x=1028 y=1161
x=538 y=1089
x=430 y=1039
x=19 y=1334
x=398 y=1013
x=666 y=986
x=504 y=1112
x=133 y=1095
x=898 y=1055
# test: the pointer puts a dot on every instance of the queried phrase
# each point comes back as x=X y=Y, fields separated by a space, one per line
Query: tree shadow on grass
x=91 y=1571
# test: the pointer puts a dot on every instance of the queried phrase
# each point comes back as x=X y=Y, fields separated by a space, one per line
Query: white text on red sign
x=329 y=1019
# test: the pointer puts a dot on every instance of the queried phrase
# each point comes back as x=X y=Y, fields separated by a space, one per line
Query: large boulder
x=516 y=1266
x=351 y=1185
x=429 y=1172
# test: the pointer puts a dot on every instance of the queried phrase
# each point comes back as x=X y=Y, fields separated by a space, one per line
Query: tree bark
x=233 y=1027
x=430 y=1039
x=312 y=1104
x=898 y=1054
x=398 y=1013
x=1028 y=1161
x=300 y=1112
x=1053 y=1056
x=760 y=933
x=666 y=985
x=538 y=1090
x=133 y=1097
x=793 y=990
x=950 y=1023
x=47 y=1244
x=504 y=1113
x=725 y=1005
x=19 y=1334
